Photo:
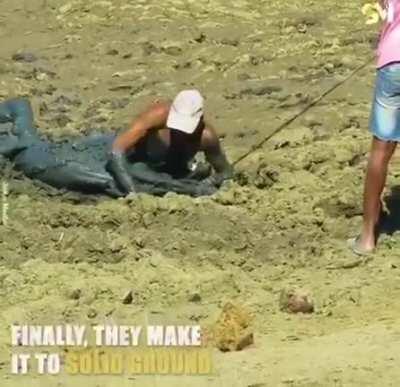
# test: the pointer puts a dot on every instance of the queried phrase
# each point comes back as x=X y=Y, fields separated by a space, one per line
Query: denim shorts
x=385 y=115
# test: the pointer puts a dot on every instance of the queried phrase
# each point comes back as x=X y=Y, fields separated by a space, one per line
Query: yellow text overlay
x=147 y=361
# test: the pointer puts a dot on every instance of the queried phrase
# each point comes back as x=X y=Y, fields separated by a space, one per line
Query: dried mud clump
x=296 y=301
x=232 y=330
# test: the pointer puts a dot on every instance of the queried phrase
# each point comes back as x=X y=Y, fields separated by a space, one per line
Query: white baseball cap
x=186 y=111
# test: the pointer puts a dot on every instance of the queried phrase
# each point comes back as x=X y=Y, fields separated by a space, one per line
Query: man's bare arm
x=216 y=156
x=152 y=118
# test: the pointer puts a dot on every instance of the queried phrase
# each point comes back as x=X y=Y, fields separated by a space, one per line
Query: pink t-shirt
x=389 y=44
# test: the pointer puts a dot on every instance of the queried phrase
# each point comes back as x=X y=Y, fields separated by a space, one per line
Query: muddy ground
x=93 y=65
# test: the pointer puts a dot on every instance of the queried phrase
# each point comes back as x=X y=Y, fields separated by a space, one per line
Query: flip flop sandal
x=356 y=248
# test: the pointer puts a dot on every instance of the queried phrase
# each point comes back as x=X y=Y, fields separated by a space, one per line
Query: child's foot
x=359 y=248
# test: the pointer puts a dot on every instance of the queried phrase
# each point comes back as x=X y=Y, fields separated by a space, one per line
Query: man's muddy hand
x=117 y=166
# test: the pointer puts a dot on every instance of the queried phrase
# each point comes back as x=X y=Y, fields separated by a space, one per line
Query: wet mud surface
x=283 y=222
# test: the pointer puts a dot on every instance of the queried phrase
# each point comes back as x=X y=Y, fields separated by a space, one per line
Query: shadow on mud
x=390 y=219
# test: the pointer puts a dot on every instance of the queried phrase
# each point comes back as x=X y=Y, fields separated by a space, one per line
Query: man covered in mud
x=164 y=139
x=152 y=157
x=385 y=127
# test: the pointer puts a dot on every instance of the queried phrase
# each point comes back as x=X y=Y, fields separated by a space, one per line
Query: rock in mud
x=232 y=332
x=149 y=48
x=266 y=176
x=92 y=313
x=296 y=301
x=127 y=298
x=75 y=294
x=230 y=42
x=195 y=297
x=199 y=37
x=112 y=52
x=172 y=50
x=260 y=90
x=24 y=56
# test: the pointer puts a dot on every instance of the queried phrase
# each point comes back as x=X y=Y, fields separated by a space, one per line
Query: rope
x=303 y=111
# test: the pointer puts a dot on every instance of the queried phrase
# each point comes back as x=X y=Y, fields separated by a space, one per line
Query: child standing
x=385 y=126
